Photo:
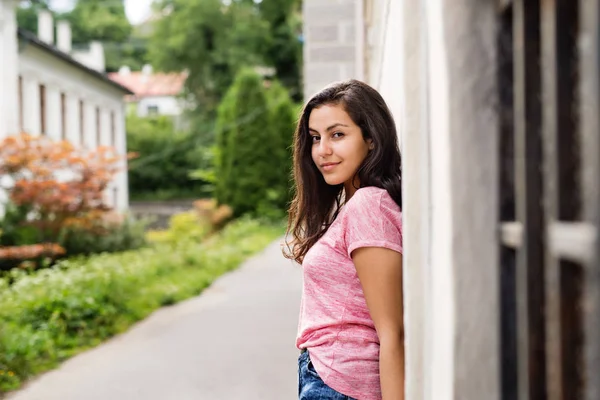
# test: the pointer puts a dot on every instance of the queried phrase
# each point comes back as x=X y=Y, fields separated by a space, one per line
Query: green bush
x=165 y=160
x=186 y=225
x=254 y=127
x=283 y=114
x=52 y=314
x=126 y=235
x=13 y=230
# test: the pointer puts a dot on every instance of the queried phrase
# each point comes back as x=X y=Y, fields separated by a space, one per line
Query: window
x=42 y=109
x=550 y=203
x=152 y=110
x=63 y=116
x=98 y=127
x=81 y=123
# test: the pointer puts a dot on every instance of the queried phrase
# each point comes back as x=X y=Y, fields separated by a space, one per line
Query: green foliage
x=27 y=14
x=52 y=314
x=14 y=231
x=99 y=20
x=132 y=52
x=165 y=161
x=283 y=114
x=246 y=166
x=182 y=226
x=212 y=41
x=115 y=237
x=284 y=49
x=254 y=130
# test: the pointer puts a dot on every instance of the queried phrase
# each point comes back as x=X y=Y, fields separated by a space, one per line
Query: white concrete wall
x=167 y=105
x=8 y=68
x=440 y=363
x=38 y=67
x=450 y=260
x=333 y=42
x=8 y=77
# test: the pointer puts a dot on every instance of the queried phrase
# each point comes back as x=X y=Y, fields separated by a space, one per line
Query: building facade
x=497 y=105
x=153 y=93
x=46 y=91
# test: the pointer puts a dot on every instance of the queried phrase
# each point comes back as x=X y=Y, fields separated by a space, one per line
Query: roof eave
x=33 y=39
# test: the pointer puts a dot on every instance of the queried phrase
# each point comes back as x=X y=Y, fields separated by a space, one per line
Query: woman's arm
x=380 y=273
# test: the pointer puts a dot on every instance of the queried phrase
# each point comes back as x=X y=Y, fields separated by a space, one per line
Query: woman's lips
x=329 y=166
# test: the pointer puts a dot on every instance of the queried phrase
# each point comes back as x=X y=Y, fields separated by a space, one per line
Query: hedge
x=53 y=314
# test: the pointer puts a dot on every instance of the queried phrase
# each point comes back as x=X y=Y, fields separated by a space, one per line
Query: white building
x=154 y=93
x=45 y=90
x=498 y=107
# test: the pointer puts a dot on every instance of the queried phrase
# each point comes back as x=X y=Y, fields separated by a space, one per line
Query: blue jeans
x=311 y=386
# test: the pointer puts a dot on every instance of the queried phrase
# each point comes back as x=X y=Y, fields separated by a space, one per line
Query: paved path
x=233 y=342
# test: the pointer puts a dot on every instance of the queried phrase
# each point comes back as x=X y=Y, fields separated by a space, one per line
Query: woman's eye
x=315 y=138
x=338 y=134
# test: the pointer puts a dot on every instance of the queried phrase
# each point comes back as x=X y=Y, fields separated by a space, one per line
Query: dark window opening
x=42 y=109
x=63 y=116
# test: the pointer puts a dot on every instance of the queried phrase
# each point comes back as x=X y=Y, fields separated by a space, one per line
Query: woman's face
x=338 y=147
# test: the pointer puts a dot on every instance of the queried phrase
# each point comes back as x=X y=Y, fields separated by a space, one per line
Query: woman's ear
x=371 y=145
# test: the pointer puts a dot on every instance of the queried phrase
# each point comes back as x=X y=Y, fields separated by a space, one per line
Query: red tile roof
x=155 y=84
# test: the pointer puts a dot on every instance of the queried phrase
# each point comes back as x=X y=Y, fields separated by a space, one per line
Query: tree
x=166 y=158
x=99 y=20
x=212 y=41
x=246 y=169
x=27 y=14
x=285 y=49
x=255 y=127
x=283 y=114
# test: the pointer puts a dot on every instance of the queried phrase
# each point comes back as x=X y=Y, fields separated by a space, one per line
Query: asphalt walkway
x=233 y=342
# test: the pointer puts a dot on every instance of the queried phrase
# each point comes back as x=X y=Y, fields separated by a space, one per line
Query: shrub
x=216 y=215
x=15 y=230
x=184 y=226
x=166 y=158
x=50 y=315
x=57 y=199
x=194 y=225
x=56 y=183
x=119 y=234
x=283 y=115
x=253 y=128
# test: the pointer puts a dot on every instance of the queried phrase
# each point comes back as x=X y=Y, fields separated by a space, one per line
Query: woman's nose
x=324 y=148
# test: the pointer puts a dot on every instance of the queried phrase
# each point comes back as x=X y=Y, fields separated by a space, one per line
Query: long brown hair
x=316 y=203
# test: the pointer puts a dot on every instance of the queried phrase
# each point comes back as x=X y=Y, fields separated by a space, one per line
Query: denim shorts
x=310 y=385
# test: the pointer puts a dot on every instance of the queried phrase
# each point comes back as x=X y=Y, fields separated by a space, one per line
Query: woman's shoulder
x=373 y=196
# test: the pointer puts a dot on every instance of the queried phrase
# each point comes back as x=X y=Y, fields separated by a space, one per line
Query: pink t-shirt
x=335 y=324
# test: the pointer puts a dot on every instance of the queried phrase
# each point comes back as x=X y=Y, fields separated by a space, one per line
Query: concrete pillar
x=9 y=111
x=464 y=190
x=31 y=106
x=105 y=125
x=416 y=218
x=73 y=128
x=53 y=113
x=89 y=135
x=121 y=179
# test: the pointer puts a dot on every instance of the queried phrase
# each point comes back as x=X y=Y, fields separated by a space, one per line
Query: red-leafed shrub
x=54 y=186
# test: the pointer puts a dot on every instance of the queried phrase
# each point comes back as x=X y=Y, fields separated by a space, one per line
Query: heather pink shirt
x=335 y=324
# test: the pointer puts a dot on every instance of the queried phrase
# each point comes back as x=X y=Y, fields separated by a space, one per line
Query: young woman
x=345 y=229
